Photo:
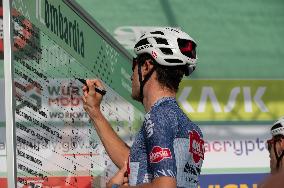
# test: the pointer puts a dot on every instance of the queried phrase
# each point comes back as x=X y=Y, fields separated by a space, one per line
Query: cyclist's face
x=135 y=80
x=278 y=148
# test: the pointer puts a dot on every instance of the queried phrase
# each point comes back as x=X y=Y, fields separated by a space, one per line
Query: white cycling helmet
x=168 y=46
x=278 y=127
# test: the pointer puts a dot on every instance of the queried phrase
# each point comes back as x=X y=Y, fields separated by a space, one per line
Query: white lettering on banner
x=257 y=99
x=232 y=99
x=39 y=12
x=208 y=93
x=182 y=99
x=247 y=98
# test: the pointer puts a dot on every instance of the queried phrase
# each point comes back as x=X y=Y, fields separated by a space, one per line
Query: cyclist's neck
x=153 y=96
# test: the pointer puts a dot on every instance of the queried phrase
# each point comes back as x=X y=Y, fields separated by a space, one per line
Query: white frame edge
x=9 y=87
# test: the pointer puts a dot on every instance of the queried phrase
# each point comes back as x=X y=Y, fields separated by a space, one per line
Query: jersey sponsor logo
x=158 y=154
x=196 y=146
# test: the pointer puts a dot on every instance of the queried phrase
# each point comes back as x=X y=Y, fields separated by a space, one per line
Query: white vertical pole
x=9 y=104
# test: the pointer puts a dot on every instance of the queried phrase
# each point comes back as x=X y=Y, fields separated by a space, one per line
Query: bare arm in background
x=114 y=145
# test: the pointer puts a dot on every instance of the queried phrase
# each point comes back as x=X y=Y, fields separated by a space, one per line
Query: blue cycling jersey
x=168 y=144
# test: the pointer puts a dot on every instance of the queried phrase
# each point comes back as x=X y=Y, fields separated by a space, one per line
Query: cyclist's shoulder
x=165 y=106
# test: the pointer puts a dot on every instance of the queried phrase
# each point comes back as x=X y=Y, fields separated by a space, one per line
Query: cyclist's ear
x=147 y=66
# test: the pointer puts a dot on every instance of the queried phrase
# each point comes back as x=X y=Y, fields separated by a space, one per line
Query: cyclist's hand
x=119 y=178
x=91 y=98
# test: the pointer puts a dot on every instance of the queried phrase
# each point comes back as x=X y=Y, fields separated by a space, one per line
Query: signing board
x=55 y=42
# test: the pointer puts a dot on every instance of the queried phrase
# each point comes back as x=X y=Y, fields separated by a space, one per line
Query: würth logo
x=196 y=146
x=158 y=154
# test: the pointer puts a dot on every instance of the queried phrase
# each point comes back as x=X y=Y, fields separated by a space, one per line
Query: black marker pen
x=100 y=91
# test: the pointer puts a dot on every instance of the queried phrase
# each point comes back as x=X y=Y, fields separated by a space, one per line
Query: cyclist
x=276 y=146
x=276 y=152
x=168 y=151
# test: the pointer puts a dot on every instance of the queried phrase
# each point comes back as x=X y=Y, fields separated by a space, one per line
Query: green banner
x=232 y=100
x=236 y=39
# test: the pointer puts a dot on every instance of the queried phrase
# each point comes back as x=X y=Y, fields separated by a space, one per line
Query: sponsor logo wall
x=235 y=149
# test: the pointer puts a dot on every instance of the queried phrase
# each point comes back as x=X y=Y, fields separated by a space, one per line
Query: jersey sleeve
x=159 y=136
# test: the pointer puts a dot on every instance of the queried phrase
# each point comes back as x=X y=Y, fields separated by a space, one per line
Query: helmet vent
x=173 y=60
x=157 y=32
x=161 y=41
x=141 y=43
x=167 y=51
x=276 y=126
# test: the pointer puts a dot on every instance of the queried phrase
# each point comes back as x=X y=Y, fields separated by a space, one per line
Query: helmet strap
x=143 y=82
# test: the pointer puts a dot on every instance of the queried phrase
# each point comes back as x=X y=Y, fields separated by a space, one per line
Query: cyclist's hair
x=278 y=137
x=167 y=76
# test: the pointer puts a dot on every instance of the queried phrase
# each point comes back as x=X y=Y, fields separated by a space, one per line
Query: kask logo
x=158 y=154
x=209 y=97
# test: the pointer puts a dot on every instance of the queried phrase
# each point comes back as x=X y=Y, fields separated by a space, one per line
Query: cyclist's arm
x=116 y=148
x=114 y=145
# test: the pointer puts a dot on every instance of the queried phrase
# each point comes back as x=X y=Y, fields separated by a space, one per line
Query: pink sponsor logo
x=158 y=154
